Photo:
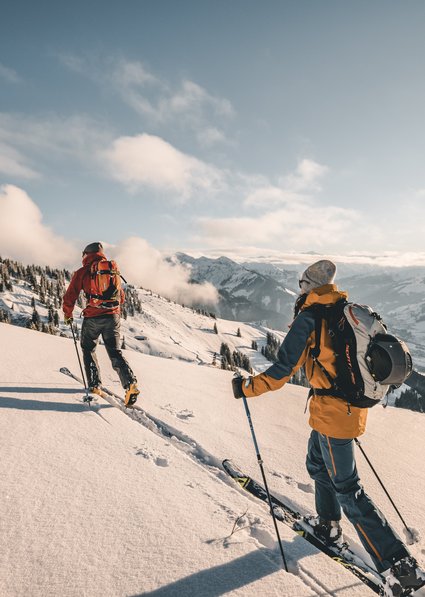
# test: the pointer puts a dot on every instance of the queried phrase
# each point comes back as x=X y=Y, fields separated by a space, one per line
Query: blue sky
x=233 y=127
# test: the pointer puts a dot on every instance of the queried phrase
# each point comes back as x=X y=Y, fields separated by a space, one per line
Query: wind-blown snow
x=95 y=504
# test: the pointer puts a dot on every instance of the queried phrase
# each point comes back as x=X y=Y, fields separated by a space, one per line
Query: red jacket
x=81 y=281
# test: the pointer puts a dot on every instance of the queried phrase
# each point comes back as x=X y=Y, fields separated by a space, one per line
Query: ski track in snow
x=254 y=528
x=212 y=464
x=304 y=562
x=262 y=537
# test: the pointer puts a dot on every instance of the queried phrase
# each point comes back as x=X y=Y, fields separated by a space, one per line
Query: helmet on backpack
x=389 y=360
x=93 y=248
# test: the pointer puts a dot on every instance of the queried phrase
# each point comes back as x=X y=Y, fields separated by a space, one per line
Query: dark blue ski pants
x=331 y=463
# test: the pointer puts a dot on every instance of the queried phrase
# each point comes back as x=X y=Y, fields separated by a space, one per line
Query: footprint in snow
x=306 y=487
x=158 y=460
x=184 y=415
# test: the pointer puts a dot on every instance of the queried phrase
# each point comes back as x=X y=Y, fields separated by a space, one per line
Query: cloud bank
x=24 y=236
x=143 y=265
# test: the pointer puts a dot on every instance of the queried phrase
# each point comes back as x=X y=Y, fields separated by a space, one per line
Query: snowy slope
x=170 y=330
x=164 y=328
x=98 y=505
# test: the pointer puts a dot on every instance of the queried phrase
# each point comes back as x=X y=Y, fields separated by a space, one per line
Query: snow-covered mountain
x=96 y=504
x=246 y=294
x=252 y=292
x=396 y=293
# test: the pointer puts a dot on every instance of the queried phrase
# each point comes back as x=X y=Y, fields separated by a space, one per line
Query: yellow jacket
x=328 y=415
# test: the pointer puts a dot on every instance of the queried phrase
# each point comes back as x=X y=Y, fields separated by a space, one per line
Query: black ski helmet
x=93 y=248
x=389 y=360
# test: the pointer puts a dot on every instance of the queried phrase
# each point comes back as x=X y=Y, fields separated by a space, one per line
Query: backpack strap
x=320 y=312
x=318 y=318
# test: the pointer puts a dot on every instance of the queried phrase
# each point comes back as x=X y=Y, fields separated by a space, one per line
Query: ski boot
x=92 y=393
x=328 y=531
x=404 y=578
x=131 y=394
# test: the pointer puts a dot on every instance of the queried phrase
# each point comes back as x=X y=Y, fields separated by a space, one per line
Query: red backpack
x=105 y=285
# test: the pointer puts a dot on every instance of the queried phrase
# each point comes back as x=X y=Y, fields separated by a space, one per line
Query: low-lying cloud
x=294 y=227
x=143 y=265
x=24 y=236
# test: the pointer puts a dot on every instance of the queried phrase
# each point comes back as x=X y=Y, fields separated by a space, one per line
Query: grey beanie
x=317 y=274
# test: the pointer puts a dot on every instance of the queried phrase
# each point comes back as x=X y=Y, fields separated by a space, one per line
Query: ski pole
x=260 y=463
x=383 y=487
x=79 y=360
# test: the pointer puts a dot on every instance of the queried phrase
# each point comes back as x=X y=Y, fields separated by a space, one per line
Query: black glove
x=237 y=386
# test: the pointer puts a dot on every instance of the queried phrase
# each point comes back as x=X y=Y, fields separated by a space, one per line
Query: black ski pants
x=108 y=326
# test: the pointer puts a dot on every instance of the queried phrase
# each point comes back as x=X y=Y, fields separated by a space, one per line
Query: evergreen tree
x=35 y=319
x=51 y=315
x=299 y=378
x=238 y=333
x=215 y=329
x=4 y=316
x=412 y=400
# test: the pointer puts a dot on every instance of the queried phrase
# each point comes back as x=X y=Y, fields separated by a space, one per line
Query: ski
x=135 y=412
x=111 y=397
x=341 y=554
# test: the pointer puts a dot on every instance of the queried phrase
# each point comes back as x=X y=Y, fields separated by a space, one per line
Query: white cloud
x=211 y=136
x=13 y=163
x=133 y=73
x=25 y=139
x=191 y=97
x=9 y=75
x=297 y=186
x=149 y=161
x=189 y=105
x=145 y=266
x=306 y=177
x=184 y=104
x=294 y=227
x=24 y=236
x=270 y=196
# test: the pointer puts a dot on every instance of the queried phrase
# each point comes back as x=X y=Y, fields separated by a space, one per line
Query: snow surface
x=95 y=504
x=164 y=328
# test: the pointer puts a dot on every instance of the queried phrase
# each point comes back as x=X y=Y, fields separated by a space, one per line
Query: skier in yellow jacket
x=335 y=423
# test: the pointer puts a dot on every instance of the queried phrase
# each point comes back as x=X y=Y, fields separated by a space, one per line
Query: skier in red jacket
x=100 y=281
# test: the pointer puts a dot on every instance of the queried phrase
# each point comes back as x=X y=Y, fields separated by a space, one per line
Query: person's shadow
x=31 y=404
x=238 y=573
x=221 y=579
